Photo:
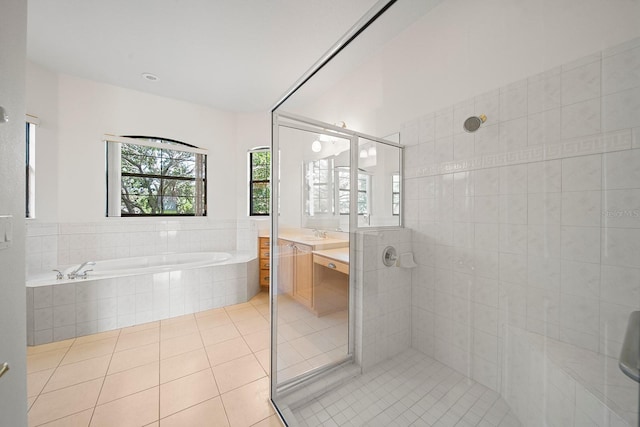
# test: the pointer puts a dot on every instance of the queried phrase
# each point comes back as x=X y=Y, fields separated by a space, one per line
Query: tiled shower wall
x=383 y=296
x=50 y=245
x=532 y=221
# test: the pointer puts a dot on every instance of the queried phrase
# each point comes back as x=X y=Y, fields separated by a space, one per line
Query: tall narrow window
x=319 y=181
x=259 y=179
x=395 y=194
x=151 y=176
x=30 y=169
x=344 y=190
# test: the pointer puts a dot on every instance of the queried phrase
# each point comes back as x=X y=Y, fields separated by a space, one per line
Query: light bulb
x=316 y=147
x=363 y=154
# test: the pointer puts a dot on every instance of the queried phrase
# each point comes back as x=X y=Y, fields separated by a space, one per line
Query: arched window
x=150 y=176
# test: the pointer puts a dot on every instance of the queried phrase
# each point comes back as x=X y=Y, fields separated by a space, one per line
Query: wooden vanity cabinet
x=303 y=274
x=285 y=267
x=265 y=267
x=330 y=282
x=295 y=271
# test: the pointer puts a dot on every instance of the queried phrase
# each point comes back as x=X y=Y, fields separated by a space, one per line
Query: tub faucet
x=78 y=271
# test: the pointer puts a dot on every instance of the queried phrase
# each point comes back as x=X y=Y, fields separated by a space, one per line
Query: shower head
x=473 y=123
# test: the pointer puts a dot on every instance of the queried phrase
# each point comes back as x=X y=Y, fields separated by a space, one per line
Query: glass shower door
x=311 y=246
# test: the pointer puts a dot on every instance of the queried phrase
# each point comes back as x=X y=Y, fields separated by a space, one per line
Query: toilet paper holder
x=389 y=256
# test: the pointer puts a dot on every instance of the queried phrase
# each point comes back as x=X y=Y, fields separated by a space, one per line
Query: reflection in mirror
x=312 y=266
x=379 y=186
x=326 y=187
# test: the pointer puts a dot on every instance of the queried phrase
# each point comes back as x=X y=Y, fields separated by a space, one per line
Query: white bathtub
x=138 y=265
x=131 y=291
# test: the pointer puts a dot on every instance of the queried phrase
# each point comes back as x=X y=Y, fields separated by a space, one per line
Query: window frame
x=314 y=187
x=395 y=178
x=114 y=166
x=362 y=176
x=30 y=166
x=253 y=181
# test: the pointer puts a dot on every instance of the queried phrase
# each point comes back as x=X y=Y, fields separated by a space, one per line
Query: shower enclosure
x=496 y=148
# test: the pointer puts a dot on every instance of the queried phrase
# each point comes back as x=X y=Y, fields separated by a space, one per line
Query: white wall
x=13 y=385
x=42 y=101
x=464 y=48
x=252 y=130
x=70 y=224
x=75 y=114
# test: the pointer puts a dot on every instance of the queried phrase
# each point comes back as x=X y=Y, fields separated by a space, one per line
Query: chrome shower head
x=473 y=123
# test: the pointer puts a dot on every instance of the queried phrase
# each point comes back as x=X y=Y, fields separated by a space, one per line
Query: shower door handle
x=3 y=369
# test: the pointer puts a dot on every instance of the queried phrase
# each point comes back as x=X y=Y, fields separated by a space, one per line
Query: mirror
x=326 y=183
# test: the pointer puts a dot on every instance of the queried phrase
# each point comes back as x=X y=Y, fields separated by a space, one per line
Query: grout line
x=215 y=381
x=120 y=335
x=104 y=378
x=52 y=374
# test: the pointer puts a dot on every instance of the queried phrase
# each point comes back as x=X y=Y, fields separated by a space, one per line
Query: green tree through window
x=259 y=182
x=162 y=181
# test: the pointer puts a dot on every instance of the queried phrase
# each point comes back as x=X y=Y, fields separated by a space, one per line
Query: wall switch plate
x=6 y=231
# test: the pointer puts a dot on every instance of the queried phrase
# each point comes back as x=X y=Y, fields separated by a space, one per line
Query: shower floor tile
x=410 y=389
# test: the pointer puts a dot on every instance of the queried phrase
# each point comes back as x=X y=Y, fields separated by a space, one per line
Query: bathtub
x=135 y=266
x=124 y=292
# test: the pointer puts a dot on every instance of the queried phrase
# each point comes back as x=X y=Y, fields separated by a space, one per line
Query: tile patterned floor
x=307 y=341
x=210 y=369
x=207 y=369
x=410 y=389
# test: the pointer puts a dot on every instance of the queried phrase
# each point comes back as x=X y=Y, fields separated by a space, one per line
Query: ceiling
x=234 y=55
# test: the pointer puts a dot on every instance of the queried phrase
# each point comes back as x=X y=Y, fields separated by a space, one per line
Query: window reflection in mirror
x=326 y=186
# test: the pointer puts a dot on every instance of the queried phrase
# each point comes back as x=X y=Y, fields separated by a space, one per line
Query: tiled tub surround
x=81 y=307
x=53 y=244
x=532 y=222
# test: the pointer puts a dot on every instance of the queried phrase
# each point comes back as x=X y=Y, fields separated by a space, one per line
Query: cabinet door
x=303 y=283
x=285 y=266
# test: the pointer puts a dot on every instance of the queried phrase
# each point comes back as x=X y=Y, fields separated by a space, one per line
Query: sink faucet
x=78 y=271
x=320 y=233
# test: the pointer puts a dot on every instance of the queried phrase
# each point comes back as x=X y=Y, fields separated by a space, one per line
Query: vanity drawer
x=331 y=263
x=264 y=277
x=264 y=248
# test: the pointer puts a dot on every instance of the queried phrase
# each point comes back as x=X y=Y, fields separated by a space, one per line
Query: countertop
x=318 y=243
x=339 y=254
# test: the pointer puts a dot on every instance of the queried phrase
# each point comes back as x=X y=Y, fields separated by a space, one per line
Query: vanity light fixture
x=316 y=146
